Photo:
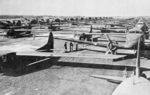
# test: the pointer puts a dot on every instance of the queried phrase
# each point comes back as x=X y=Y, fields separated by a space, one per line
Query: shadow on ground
x=28 y=64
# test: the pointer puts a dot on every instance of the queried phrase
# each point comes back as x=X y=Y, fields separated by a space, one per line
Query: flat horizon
x=125 y=8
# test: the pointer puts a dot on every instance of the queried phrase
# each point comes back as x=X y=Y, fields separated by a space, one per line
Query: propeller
x=112 y=45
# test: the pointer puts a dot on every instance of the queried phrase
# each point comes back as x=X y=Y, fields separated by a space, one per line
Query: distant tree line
x=9 y=16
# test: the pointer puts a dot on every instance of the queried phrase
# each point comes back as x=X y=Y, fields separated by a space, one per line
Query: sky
x=76 y=7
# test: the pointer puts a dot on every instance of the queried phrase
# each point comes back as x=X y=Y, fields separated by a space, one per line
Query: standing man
x=71 y=46
x=65 y=45
x=76 y=46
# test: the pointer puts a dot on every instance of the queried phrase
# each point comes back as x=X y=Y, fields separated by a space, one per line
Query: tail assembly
x=49 y=45
x=29 y=27
x=90 y=29
x=83 y=36
x=89 y=36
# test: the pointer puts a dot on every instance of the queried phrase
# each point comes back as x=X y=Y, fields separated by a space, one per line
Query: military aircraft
x=113 y=28
x=130 y=39
x=5 y=23
x=17 y=30
x=112 y=46
x=54 y=26
x=141 y=24
x=9 y=29
x=80 y=23
x=123 y=28
x=139 y=29
x=138 y=84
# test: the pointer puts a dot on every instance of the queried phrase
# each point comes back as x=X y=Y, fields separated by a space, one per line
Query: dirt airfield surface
x=56 y=79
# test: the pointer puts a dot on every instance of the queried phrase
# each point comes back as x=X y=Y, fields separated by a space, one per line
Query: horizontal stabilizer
x=105 y=40
x=46 y=54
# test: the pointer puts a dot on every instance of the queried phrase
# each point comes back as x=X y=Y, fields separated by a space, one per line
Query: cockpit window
x=131 y=31
x=138 y=32
x=139 y=23
x=135 y=32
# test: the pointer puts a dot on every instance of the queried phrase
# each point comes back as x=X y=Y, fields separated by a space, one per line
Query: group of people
x=71 y=44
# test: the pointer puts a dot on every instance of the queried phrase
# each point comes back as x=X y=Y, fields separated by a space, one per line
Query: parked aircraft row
x=137 y=83
x=134 y=38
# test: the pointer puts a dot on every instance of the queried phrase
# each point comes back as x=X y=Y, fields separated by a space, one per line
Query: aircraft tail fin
x=49 y=45
x=89 y=36
x=29 y=27
x=90 y=29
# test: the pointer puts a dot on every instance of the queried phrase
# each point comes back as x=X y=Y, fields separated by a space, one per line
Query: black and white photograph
x=74 y=47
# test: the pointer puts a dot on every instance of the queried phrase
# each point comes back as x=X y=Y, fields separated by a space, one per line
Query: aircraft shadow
x=99 y=66
x=23 y=66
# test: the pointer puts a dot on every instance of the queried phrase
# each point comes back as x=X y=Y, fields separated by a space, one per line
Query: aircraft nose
x=130 y=43
x=132 y=40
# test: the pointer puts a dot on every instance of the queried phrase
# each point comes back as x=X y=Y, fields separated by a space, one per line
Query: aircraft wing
x=100 y=44
x=121 y=30
x=105 y=33
x=83 y=42
x=109 y=78
x=115 y=38
x=75 y=55
x=124 y=28
x=96 y=28
x=54 y=25
x=103 y=39
x=116 y=30
x=33 y=29
x=6 y=30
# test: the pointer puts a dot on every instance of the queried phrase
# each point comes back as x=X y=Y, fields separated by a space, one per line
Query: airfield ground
x=59 y=79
